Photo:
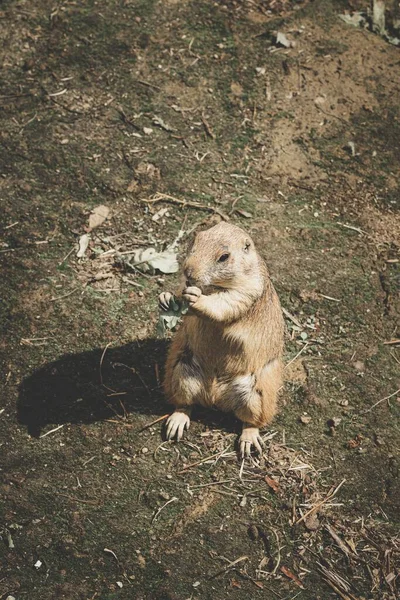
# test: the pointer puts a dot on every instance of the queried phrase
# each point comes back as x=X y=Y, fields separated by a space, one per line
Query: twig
x=329 y=298
x=329 y=496
x=298 y=354
x=203 y=460
x=357 y=229
x=229 y=566
x=291 y=317
x=64 y=296
x=166 y=198
x=51 y=431
x=379 y=402
x=67 y=256
x=154 y=422
x=92 y=502
x=342 y=545
x=147 y=84
x=155 y=516
x=207 y=127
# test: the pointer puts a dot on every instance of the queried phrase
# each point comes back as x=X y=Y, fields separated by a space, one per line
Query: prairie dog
x=228 y=350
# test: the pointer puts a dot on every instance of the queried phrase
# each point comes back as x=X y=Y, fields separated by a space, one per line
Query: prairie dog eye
x=223 y=257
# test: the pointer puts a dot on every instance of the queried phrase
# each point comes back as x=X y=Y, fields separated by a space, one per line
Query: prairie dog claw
x=250 y=437
x=164 y=299
x=192 y=294
x=176 y=425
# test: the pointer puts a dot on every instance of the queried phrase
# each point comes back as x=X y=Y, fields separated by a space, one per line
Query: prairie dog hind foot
x=250 y=437
x=177 y=423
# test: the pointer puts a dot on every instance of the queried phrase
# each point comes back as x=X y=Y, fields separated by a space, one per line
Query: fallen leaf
x=149 y=260
x=98 y=216
x=356 y=442
x=282 y=40
x=312 y=522
x=83 y=244
x=159 y=214
x=132 y=187
x=147 y=130
x=292 y=576
x=236 y=89
x=147 y=170
x=273 y=484
x=159 y=121
x=244 y=213
x=357 y=19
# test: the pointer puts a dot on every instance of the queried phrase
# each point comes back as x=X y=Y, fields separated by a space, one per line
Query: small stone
x=305 y=419
x=359 y=366
x=120 y=584
x=38 y=564
x=145 y=450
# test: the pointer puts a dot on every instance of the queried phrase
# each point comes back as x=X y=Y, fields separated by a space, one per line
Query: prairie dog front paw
x=192 y=294
x=176 y=425
x=250 y=437
x=164 y=300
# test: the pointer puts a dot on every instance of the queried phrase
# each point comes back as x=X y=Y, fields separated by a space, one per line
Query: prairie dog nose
x=189 y=276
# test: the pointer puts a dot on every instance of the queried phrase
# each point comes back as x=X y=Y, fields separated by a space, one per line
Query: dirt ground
x=119 y=103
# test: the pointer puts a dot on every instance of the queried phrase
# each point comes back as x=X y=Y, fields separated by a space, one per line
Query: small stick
x=392 y=342
x=199 y=462
x=329 y=496
x=119 y=422
x=229 y=566
x=357 y=229
x=67 y=256
x=51 y=431
x=207 y=127
x=329 y=298
x=174 y=499
x=64 y=296
x=342 y=545
x=379 y=402
x=166 y=198
x=154 y=422
x=298 y=354
x=291 y=317
x=91 y=502
x=147 y=84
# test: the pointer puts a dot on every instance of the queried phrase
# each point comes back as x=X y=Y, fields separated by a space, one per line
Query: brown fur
x=228 y=350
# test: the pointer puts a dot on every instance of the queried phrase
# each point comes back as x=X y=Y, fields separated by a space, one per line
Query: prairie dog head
x=223 y=257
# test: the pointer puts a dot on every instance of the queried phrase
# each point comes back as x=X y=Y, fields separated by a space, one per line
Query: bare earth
x=117 y=103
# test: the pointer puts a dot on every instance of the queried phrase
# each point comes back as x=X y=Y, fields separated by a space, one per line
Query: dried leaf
x=312 y=522
x=132 y=187
x=273 y=484
x=161 y=123
x=282 y=40
x=169 y=319
x=83 y=244
x=159 y=214
x=357 y=19
x=98 y=216
x=150 y=260
x=292 y=576
x=244 y=213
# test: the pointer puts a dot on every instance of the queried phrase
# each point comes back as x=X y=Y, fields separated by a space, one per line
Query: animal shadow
x=95 y=385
